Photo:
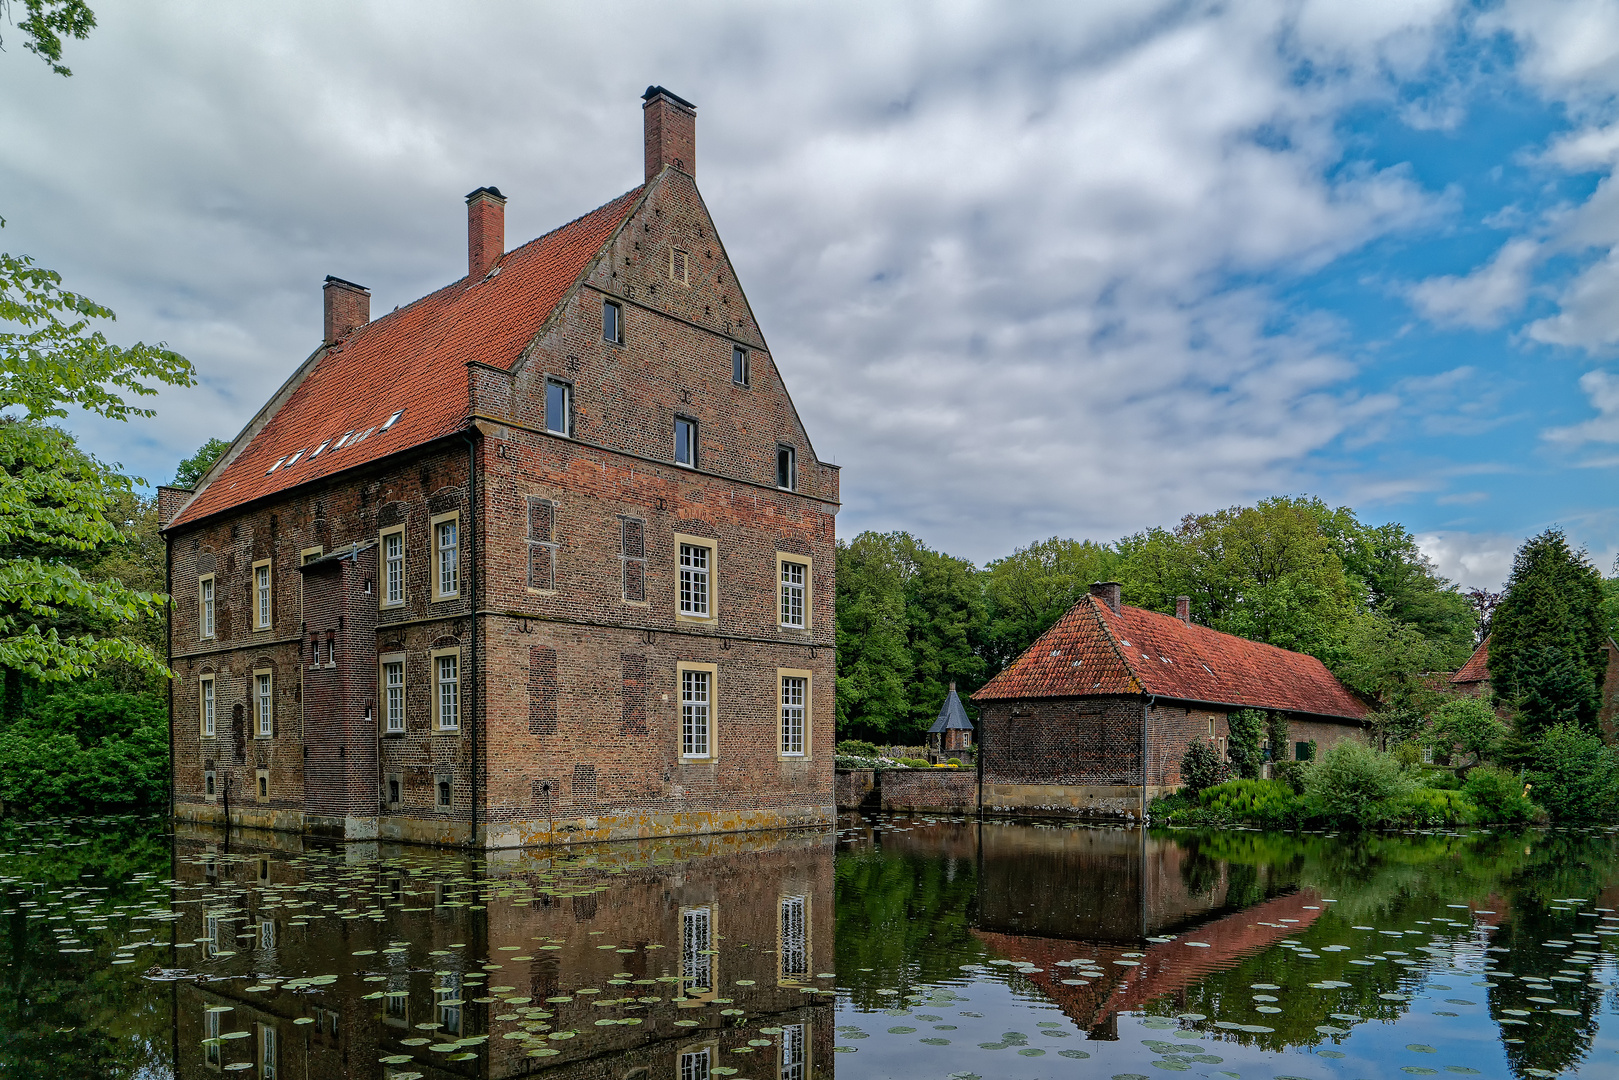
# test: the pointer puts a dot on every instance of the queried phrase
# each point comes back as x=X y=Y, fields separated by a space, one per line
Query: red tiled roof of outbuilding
x=412 y=359
x=1092 y=651
x=1477 y=668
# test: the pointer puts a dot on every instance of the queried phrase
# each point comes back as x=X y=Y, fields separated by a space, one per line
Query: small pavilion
x=952 y=732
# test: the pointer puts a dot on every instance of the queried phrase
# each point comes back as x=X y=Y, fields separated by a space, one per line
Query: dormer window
x=392 y=420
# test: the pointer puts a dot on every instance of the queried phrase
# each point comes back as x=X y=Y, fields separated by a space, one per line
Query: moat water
x=921 y=947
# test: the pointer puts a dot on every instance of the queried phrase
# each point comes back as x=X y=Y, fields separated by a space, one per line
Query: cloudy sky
x=1029 y=269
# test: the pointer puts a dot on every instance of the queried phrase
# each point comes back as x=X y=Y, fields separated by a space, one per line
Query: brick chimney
x=1183 y=609
x=348 y=307
x=671 y=132
x=1108 y=593
x=486 y=231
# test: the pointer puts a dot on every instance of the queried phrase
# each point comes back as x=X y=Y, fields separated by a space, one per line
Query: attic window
x=293 y=460
x=362 y=436
x=392 y=420
x=315 y=453
x=274 y=467
x=339 y=444
x=1056 y=652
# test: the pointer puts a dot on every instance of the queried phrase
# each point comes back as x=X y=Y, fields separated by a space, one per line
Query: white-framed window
x=266 y=934
x=447 y=556
x=612 y=322
x=794 y=1058
x=393 y=567
x=447 y=689
x=269 y=1053
x=205 y=606
x=786 y=468
x=210 y=936
x=263 y=606
x=739 y=365
x=205 y=700
x=794 y=709
x=695 y=580
x=686 y=441
x=697 y=950
x=558 y=407
x=448 y=999
x=793 y=931
x=697 y=711
x=263 y=704
x=210 y=1037
x=393 y=696
x=697 y=1064
x=794 y=593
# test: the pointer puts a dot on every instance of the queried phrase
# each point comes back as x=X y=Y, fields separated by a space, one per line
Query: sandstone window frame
x=263 y=703
x=793 y=937
x=542 y=544
x=803 y=707
x=445 y=705
x=698 y=730
x=696 y=1061
x=310 y=554
x=207 y=705
x=211 y=1025
x=263 y=594
x=612 y=322
x=739 y=366
x=685 y=436
x=699 y=931
x=210 y=785
x=632 y=559
x=392 y=542
x=392 y=694
x=207 y=606
x=559 y=406
x=679 y=266
x=786 y=467
x=689 y=577
x=793 y=1054
x=446 y=557
x=785 y=591
x=261 y=785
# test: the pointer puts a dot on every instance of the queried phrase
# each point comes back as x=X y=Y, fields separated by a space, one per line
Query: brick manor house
x=543 y=556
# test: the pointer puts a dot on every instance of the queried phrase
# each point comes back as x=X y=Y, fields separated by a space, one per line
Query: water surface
x=900 y=947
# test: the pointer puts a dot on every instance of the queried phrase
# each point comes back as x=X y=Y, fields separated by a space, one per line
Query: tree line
x=1289 y=571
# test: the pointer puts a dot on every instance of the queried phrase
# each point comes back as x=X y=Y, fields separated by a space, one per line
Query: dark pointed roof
x=952 y=716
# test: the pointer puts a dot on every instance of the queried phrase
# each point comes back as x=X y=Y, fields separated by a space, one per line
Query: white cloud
x=1485 y=297
x=1472 y=560
x=1603 y=389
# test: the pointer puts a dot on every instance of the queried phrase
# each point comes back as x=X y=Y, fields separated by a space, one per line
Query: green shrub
x=1354 y=786
x=1573 y=775
x=86 y=747
x=1426 y=807
x=1201 y=767
x=857 y=748
x=1243 y=744
x=1257 y=802
x=1291 y=773
x=1440 y=779
x=913 y=762
x=1498 y=796
x=955 y=761
x=1467 y=728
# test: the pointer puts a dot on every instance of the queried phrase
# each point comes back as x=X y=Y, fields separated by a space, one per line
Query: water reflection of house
x=701 y=923
x=1096 y=715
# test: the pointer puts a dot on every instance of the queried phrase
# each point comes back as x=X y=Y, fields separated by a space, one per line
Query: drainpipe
x=168 y=602
x=472 y=594
x=983 y=732
x=1146 y=713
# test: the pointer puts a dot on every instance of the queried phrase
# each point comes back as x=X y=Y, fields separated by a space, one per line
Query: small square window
x=558 y=404
x=208 y=782
x=739 y=365
x=393 y=791
x=612 y=322
x=263 y=780
x=786 y=468
x=685 y=442
x=444 y=792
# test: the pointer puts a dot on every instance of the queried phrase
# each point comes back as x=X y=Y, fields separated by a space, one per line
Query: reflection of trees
x=907 y=917
x=74 y=1014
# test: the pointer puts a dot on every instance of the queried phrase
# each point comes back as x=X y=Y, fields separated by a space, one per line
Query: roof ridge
x=566 y=224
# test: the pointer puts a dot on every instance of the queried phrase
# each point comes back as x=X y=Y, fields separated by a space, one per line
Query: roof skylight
x=274 y=467
x=392 y=420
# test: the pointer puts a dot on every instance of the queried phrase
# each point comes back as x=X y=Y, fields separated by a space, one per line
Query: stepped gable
x=1093 y=651
x=412 y=359
x=1477 y=668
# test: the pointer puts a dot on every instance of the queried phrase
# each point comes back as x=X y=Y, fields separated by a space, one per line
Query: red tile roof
x=412 y=359
x=1092 y=651
x=1477 y=668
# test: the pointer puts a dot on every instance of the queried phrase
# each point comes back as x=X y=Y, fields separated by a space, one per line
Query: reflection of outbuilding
x=1096 y=715
x=952 y=733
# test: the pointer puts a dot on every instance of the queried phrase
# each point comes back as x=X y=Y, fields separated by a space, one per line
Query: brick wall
x=854 y=788
x=1083 y=741
x=952 y=790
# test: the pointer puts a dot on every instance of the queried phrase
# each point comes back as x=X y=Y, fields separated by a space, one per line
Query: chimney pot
x=670 y=123
x=348 y=307
x=1107 y=592
x=486 y=231
x=1183 y=609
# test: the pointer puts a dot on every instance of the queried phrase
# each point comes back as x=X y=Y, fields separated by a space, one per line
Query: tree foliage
x=1575 y=777
x=1547 y=659
x=192 y=468
x=1467 y=727
x=1030 y=589
x=1246 y=727
x=46 y=22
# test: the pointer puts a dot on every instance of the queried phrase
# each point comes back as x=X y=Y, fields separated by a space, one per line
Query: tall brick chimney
x=1183 y=609
x=348 y=307
x=671 y=132
x=1107 y=592
x=486 y=230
